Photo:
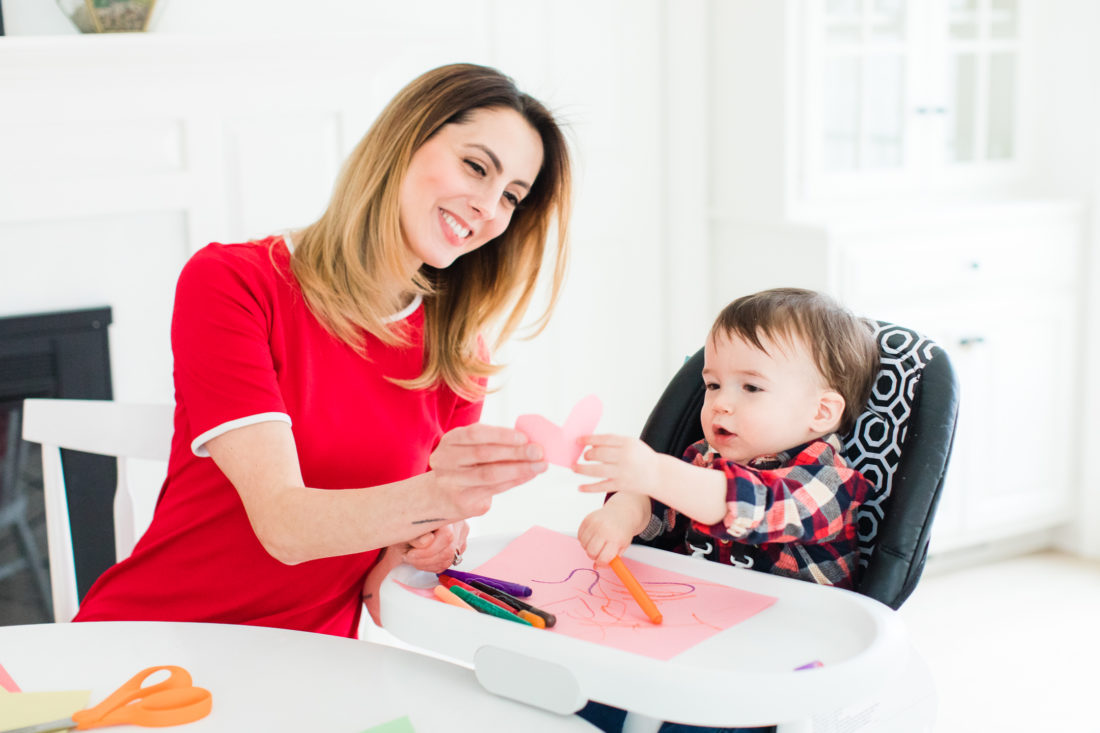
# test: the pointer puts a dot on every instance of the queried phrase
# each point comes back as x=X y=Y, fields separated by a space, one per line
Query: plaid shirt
x=792 y=514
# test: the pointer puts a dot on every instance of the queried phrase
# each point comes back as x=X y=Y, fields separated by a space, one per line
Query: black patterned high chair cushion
x=901 y=443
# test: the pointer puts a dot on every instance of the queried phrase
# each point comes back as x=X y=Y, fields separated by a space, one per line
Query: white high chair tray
x=746 y=671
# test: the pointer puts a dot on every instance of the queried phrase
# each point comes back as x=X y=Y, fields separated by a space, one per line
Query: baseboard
x=991 y=551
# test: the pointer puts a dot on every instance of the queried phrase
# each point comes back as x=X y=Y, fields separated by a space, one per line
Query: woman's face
x=464 y=184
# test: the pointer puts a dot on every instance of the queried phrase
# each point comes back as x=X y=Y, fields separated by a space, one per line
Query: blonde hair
x=841 y=345
x=349 y=263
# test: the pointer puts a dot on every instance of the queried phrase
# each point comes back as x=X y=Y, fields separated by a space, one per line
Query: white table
x=744 y=675
x=270 y=679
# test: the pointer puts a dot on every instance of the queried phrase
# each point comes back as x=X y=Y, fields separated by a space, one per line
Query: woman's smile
x=454 y=229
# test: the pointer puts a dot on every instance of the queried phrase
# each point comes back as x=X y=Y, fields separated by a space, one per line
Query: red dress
x=247 y=349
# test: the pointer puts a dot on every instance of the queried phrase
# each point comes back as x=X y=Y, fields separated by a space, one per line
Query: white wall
x=120 y=155
x=1068 y=158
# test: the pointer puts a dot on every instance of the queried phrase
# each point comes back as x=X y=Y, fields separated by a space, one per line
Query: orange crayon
x=443 y=594
x=636 y=590
x=534 y=620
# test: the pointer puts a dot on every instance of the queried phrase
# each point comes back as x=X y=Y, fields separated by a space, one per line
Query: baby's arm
x=628 y=465
x=808 y=503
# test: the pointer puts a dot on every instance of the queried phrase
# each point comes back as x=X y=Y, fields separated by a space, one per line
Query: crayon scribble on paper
x=592 y=603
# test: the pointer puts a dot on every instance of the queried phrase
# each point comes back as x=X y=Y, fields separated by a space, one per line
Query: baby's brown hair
x=841 y=344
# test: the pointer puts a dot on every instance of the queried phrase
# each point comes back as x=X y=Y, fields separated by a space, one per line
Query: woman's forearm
x=296 y=523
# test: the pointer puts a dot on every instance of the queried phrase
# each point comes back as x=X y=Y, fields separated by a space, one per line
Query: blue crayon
x=520 y=591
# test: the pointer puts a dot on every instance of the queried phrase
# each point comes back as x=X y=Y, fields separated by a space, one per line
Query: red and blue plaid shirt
x=792 y=514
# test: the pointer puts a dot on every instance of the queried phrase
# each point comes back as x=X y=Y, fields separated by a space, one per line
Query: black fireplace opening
x=60 y=355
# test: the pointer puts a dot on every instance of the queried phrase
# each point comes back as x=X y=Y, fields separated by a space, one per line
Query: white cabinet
x=910 y=93
x=880 y=151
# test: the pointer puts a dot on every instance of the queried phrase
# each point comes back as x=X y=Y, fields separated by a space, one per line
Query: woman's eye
x=751 y=388
x=711 y=386
x=511 y=198
x=475 y=167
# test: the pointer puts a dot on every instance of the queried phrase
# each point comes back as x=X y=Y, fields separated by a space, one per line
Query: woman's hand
x=626 y=464
x=474 y=463
x=436 y=551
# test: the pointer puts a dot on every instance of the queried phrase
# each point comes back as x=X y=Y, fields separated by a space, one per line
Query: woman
x=329 y=382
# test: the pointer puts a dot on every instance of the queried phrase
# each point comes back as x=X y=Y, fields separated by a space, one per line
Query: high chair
x=901 y=443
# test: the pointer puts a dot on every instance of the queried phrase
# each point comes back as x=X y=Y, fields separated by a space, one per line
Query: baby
x=786 y=372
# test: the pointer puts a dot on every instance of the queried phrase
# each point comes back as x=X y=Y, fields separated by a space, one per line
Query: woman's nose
x=485 y=205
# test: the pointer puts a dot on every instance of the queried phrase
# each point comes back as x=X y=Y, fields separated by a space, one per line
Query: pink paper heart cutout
x=560 y=445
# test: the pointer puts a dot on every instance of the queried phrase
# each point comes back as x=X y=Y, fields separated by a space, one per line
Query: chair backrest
x=901 y=443
x=132 y=433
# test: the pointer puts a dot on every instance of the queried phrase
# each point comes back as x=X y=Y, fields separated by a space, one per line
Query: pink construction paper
x=7 y=682
x=560 y=443
x=591 y=603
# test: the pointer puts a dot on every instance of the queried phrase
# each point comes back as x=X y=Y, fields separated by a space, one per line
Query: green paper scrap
x=397 y=725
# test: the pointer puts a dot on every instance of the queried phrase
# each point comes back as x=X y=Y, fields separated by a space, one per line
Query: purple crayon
x=520 y=591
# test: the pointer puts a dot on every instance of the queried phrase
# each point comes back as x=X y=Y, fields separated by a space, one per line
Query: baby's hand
x=606 y=532
x=602 y=535
x=627 y=464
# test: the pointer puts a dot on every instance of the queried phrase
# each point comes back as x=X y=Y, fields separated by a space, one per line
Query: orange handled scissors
x=172 y=702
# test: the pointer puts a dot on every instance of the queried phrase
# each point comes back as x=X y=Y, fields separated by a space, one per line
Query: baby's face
x=758 y=403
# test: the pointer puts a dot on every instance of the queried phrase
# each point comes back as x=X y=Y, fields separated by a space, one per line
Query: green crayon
x=485 y=607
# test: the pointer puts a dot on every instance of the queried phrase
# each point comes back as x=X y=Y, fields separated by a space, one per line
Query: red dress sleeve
x=221 y=325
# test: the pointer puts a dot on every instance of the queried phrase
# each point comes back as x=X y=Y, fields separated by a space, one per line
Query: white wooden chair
x=138 y=435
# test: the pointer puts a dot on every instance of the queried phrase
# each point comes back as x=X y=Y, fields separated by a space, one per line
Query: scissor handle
x=174 y=706
x=119 y=700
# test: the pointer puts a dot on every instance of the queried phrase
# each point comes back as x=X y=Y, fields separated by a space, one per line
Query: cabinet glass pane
x=1002 y=101
x=1004 y=21
x=963 y=19
x=888 y=21
x=844 y=21
x=841 y=113
x=962 y=90
x=884 y=120
x=850 y=9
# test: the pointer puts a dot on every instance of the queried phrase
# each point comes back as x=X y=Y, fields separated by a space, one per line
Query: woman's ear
x=830 y=410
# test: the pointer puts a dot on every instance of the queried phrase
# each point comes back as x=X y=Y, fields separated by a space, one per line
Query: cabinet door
x=979 y=41
x=1021 y=473
x=900 y=95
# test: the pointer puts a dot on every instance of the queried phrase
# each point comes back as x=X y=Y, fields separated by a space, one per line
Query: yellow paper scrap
x=18 y=709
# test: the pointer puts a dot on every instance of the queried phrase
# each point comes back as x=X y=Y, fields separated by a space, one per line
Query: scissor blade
x=62 y=724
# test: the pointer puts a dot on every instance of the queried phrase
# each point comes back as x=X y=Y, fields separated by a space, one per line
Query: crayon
x=532 y=619
x=636 y=590
x=453 y=583
x=515 y=589
x=486 y=607
x=548 y=618
x=447 y=596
